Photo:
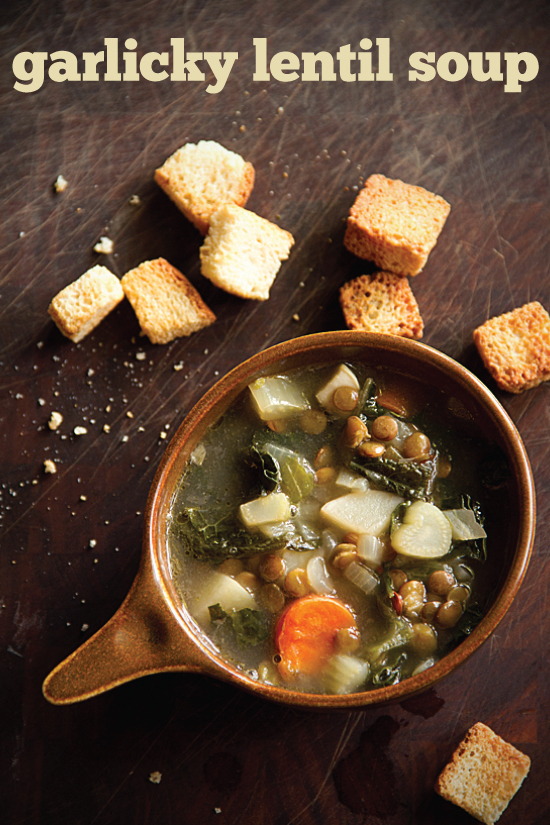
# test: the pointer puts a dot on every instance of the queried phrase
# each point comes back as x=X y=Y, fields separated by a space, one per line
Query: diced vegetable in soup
x=331 y=538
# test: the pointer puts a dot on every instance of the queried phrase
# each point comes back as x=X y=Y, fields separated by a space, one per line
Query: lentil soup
x=337 y=530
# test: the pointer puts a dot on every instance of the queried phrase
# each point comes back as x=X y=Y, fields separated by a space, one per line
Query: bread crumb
x=242 y=252
x=60 y=184
x=134 y=200
x=383 y=302
x=395 y=224
x=484 y=774
x=105 y=246
x=92 y=543
x=80 y=431
x=179 y=366
x=201 y=177
x=49 y=466
x=106 y=428
x=82 y=305
x=56 y=419
x=155 y=777
x=167 y=305
x=141 y=356
x=515 y=347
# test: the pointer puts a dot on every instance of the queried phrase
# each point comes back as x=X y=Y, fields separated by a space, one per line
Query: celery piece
x=344 y=674
x=276 y=397
x=285 y=468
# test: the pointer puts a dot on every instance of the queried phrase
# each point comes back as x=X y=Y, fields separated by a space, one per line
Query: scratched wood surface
x=71 y=541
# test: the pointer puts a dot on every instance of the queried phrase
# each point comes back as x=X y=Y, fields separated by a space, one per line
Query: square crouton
x=242 y=252
x=515 y=347
x=201 y=177
x=395 y=224
x=382 y=302
x=80 y=307
x=167 y=305
x=485 y=772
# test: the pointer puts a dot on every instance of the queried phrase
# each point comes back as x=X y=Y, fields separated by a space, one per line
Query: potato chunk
x=368 y=512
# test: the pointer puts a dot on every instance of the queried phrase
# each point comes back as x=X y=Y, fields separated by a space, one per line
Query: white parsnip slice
x=271 y=509
x=424 y=534
x=222 y=590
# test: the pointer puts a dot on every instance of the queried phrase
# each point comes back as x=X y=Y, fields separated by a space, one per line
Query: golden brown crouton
x=515 y=347
x=242 y=252
x=382 y=302
x=167 y=305
x=201 y=177
x=483 y=775
x=395 y=224
x=80 y=307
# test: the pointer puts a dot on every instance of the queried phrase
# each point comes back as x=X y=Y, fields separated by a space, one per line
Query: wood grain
x=71 y=541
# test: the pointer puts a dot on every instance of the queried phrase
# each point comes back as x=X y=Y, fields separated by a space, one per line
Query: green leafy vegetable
x=283 y=468
x=226 y=538
x=398 y=633
x=368 y=407
x=218 y=540
x=248 y=626
x=389 y=670
x=475 y=548
x=411 y=480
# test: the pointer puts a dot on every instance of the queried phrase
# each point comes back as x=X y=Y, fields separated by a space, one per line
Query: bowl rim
x=220 y=396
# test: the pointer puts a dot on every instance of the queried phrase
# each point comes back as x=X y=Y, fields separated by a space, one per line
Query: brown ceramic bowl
x=152 y=631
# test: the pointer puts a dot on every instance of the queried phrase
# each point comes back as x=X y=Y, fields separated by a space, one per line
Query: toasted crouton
x=395 y=224
x=242 y=252
x=485 y=772
x=201 y=177
x=382 y=302
x=515 y=347
x=167 y=305
x=80 y=307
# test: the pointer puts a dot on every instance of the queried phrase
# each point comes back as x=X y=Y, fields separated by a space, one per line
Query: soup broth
x=328 y=533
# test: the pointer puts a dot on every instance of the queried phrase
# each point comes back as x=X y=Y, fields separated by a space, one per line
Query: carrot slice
x=306 y=632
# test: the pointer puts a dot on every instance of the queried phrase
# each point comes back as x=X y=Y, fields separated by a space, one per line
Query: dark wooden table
x=71 y=541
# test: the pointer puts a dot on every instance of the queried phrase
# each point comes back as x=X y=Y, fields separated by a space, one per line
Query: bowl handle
x=142 y=637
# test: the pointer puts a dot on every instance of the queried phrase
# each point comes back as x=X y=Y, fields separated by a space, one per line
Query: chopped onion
x=318 y=576
x=361 y=576
x=370 y=549
x=464 y=525
x=423 y=666
x=329 y=541
x=352 y=481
